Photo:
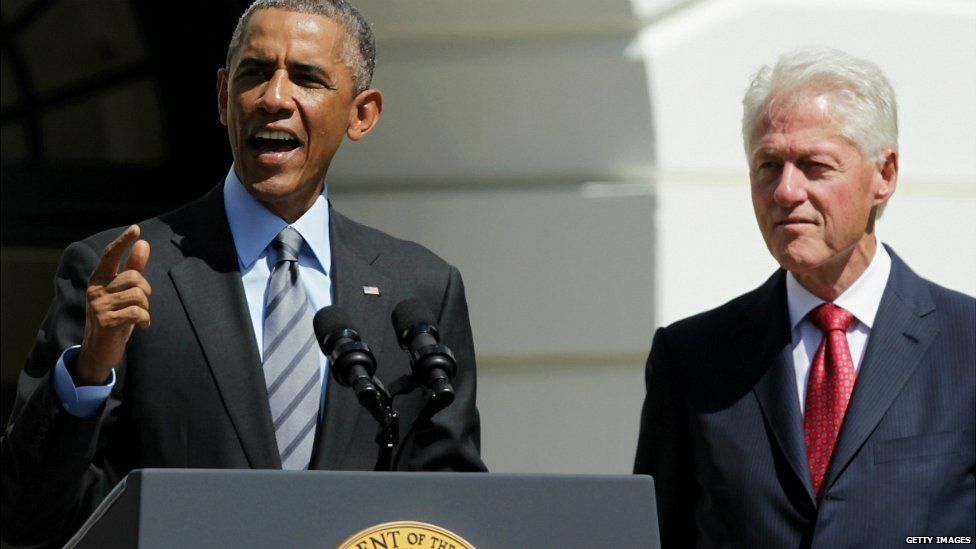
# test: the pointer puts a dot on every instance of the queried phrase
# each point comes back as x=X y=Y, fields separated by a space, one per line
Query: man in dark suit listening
x=201 y=353
x=834 y=405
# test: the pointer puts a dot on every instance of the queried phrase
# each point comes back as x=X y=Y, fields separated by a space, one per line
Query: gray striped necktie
x=291 y=358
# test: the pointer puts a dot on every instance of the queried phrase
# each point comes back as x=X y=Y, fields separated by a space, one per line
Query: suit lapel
x=900 y=337
x=764 y=342
x=352 y=269
x=208 y=281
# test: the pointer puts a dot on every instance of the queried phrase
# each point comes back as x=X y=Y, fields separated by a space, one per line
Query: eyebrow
x=264 y=62
x=814 y=150
x=312 y=69
x=249 y=62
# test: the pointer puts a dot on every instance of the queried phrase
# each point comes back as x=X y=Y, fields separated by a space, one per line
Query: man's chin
x=798 y=258
x=270 y=187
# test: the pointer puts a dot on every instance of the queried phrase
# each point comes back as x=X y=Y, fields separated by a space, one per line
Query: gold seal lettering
x=405 y=535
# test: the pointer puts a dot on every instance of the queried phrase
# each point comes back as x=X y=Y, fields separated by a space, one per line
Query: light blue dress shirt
x=252 y=227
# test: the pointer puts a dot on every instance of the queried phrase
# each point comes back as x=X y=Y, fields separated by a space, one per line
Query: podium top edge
x=173 y=472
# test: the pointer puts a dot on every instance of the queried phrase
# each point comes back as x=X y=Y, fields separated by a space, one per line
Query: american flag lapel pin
x=371 y=289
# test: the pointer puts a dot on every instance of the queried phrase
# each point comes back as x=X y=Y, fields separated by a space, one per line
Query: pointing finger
x=108 y=264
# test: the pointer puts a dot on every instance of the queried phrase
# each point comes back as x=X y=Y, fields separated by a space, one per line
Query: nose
x=791 y=188
x=277 y=94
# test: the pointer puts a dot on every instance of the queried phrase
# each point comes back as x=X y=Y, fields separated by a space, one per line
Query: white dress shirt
x=862 y=300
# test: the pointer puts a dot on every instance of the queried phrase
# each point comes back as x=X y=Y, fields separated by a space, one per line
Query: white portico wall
x=581 y=163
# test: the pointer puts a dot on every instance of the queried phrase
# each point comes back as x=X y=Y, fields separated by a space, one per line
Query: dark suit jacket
x=191 y=393
x=722 y=433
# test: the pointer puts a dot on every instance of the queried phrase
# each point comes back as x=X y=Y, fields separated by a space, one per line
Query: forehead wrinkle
x=792 y=110
x=806 y=127
x=307 y=31
x=781 y=145
x=302 y=37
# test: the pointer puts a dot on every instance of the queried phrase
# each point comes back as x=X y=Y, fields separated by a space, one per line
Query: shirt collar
x=253 y=226
x=862 y=299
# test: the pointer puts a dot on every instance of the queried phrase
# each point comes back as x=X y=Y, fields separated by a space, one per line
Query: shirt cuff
x=85 y=401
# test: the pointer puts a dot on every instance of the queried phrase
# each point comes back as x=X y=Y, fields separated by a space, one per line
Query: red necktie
x=828 y=389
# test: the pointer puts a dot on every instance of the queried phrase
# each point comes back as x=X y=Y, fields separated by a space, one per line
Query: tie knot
x=287 y=244
x=829 y=317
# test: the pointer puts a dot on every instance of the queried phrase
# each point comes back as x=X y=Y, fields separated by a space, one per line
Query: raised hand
x=118 y=301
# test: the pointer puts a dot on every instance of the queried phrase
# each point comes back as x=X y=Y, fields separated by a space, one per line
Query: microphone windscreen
x=410 y=312
x=330 y=319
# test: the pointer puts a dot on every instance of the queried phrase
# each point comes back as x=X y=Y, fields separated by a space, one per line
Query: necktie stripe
x=302 y=435
x=291 y=304
x=295 y=361
x=299 y=397
x=284 y=332
x=291 y=362
x=274 y=301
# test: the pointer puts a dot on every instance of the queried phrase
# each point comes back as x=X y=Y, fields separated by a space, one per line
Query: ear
x=364 y=114
x=222 y=95
x=887 y=177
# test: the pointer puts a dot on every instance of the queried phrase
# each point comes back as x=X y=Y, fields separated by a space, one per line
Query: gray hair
x=359 y=47
x=857 y=96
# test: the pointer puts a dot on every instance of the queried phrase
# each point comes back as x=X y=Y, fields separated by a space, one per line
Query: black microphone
x=432 y=362
x=352 y=363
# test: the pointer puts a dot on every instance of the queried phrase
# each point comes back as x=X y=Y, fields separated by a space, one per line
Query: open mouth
x=274 y=142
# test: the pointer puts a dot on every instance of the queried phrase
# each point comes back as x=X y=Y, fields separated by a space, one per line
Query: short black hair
x=359 y=50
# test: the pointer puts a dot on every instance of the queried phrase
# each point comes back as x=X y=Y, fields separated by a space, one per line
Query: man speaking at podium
x=834 y=406
x=186 y=340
